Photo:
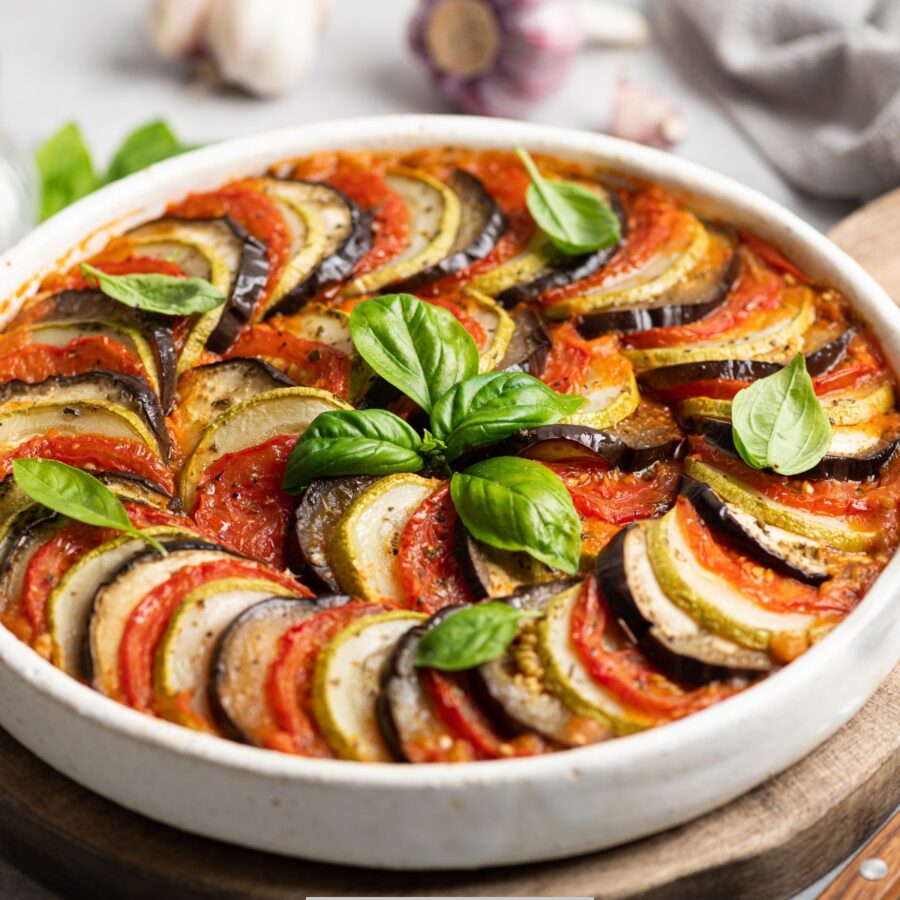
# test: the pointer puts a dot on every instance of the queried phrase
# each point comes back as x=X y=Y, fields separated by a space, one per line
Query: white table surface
x=88 y=61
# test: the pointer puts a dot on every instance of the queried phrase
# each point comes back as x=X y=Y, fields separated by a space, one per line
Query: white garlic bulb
x=262 y=46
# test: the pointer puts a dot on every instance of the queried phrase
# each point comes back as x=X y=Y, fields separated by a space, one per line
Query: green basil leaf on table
x=419 y=348
x=487 y=408
x=517 y=504
x=151 y=143
x=157 y=293
x=779 y=423
x=76 y=494
x=65 y=169
x=470 y=637
x=576 y=219
x=353 y=442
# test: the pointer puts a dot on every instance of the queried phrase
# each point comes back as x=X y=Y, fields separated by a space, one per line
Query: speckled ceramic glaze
x=458 y=816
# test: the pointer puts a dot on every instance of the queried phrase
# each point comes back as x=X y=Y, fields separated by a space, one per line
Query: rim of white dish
x=135 y=197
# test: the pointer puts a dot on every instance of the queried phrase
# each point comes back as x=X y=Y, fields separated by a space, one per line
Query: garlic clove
x=176 y=27
x=264 y=46
x=644 y=115
x=612 y=24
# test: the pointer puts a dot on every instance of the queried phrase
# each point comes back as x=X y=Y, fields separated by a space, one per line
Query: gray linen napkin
x=814 y=83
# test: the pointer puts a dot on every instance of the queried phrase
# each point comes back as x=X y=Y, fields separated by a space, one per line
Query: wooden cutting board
x=770 y=843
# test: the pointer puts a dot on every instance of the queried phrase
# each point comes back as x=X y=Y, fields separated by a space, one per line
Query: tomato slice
x=290 y=680
x=240 y=500
x=758 y=288
x=147 y=622
x=615 y=496
x=55 y=557
x=113 y=264
x=37 y=362
x=310 y=363
x=250 y=208
x=772 y=256
x=626 y=671
x=95 y=453
x=429 y=570
x=455 y=707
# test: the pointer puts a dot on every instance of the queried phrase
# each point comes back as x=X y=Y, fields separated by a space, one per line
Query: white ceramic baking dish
x=460 y=816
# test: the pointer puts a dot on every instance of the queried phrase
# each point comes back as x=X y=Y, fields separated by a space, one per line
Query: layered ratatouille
x=298 y=606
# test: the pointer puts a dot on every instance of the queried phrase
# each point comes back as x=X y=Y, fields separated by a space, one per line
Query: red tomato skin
x=36 y=362
x=772 y=256
x=76 y=280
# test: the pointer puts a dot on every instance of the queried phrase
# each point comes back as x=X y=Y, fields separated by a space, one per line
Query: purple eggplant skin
x=585 y=441
x=836 y=468
x=613 y=582
x=487 y=225
x=399 y=687
x=817 y=363
x=568 y=269
x=249 y=283
x=333 y=268
x=529 y=346
x=718 y=517
x=666 y=311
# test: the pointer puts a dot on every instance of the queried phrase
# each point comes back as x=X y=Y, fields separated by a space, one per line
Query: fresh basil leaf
x=352 y=442
x=67 y=173
x=157 y=293
x=146 y=145
x=417 y=347
x=470 y=637
x=487 y=408
x=76 y=494
x=577 y=220
x=779 y=423
x=518 y=504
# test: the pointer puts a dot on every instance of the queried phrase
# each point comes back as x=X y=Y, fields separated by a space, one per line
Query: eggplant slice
x=529 y=345
x=323 y=503
x=481 y=225
x=669 y=637
x=692 y=299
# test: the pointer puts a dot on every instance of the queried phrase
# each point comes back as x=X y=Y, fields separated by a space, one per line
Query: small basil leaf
x=577 y=220
x=419 y=348
x=518 y=504
x=352 y=442
x=76 y=494
x=152 y=292
x=470 y=637
x=65 y=168
x=146 y=145
x=487 y=408
x=779 y=423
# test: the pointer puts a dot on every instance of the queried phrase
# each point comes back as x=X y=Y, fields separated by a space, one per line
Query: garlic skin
x=497 y=57
x=643 y=115
x=264 y=47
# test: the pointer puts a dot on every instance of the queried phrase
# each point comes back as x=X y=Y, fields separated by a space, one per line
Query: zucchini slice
x=205 y=392
x=117 y=598
x=647 y=281
x=671 y=638
x=69 y=603
x=241 y=659
x=497 y=324
x=434 y=217
x=607 y=402
x=107 y=388
x=858 y=405
x=347 y=682
x=707 y=597
x=569 y=678
x=182 y=662
x=364 y=543
x=287 y=410
x=832 y=531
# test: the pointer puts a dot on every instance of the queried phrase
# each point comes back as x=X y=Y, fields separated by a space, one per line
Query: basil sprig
x=157 y=293
x=779 y=423
x=518 y=504
x=470 y=637
x=76 y=494
x=575 y=219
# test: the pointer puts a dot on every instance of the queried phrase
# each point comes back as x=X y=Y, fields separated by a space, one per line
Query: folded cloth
x=814 y=83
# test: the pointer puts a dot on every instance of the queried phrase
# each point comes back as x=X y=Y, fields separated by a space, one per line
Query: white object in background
x=646 y=116
x=19 y=193
x=262 y=46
